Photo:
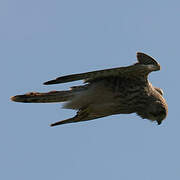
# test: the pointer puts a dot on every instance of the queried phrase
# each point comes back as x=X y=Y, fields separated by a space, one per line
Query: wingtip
x=55 y=124
x=19 y=98
x=49 y=82
x=13 y=98
x=51 y=125
x=46 y=83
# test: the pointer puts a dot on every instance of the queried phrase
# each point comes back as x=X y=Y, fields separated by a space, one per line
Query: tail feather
x=49 y=97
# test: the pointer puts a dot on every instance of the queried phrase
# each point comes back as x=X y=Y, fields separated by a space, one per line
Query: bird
x=121 y=90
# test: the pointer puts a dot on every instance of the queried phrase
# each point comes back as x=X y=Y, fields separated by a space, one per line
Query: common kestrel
x=121 y=90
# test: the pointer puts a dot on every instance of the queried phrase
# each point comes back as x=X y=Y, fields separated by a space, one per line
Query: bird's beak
x=159 y=122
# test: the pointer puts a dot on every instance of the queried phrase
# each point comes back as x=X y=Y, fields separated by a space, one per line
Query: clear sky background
x=40 y=40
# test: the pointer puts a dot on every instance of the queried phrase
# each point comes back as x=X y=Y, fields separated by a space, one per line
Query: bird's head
x=155 y=110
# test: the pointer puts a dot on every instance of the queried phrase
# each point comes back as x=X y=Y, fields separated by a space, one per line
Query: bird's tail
x=49 y=97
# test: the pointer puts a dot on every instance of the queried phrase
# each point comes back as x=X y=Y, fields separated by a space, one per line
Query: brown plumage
x=122 y=90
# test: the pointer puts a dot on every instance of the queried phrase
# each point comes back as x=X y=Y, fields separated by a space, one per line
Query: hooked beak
x=159 y=122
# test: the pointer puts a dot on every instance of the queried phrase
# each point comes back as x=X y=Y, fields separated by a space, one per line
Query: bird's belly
x=102 y=98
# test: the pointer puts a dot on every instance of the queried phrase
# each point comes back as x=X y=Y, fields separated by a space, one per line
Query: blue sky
x=40 y=40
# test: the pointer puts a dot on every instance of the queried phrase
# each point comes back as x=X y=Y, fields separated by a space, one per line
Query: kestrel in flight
x=121 y=90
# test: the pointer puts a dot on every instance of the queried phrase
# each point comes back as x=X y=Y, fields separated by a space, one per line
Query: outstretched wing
x=145 y=65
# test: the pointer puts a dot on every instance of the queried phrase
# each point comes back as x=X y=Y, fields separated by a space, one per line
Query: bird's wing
x=145 y=65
